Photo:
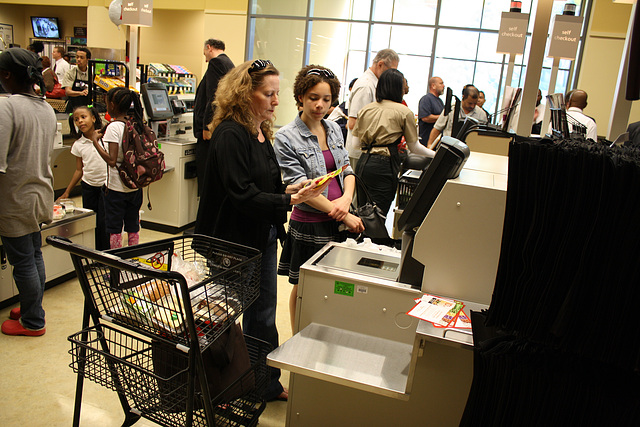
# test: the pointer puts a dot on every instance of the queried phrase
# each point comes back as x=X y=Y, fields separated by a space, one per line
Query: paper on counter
x=463 y=321
x=434 y=309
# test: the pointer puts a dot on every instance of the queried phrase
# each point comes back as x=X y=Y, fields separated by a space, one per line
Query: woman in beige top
x=380 y=127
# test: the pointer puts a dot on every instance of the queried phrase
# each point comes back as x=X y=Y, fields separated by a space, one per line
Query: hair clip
x=321 y=72
x=259 y=64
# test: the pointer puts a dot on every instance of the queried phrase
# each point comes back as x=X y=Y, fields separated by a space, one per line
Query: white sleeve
x=417 y=148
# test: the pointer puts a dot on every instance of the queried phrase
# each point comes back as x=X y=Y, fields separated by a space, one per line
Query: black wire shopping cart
x=151 y=327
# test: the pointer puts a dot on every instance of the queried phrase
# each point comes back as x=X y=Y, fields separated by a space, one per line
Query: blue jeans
x=259 y=320
x=25 y=255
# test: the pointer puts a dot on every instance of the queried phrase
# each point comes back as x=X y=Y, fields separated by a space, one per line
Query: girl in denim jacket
x=308 y=148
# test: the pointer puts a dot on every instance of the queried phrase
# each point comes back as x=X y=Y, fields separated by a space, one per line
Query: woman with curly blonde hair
x=243 y=198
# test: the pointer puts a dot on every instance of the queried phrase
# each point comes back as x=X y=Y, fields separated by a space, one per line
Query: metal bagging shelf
x=136 y=367
x=169 y=301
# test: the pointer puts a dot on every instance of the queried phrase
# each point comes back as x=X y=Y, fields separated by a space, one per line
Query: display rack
x=105 y=75
x=177 y=78
x=150 y=328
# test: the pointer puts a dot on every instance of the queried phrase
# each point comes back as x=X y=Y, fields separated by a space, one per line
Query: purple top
x=335 y=192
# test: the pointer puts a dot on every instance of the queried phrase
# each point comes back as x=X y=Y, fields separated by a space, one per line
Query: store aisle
x=38 y=387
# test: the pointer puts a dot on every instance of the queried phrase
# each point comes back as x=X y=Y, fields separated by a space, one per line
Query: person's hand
x=308 y=192
x=353 y=223
x=85 y=92
x=64 y=195
x=96 y=135
x=340 y=208
x=206 y=134
x=294 y=188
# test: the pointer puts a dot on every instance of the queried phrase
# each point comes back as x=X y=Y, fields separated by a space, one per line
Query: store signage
x=137 y=12
x=565 y=36
x=513 y=33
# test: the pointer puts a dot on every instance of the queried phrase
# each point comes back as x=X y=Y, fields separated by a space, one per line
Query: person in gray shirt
x=27 y=129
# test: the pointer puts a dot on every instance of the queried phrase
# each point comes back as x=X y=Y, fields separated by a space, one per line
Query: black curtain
x=563 y=335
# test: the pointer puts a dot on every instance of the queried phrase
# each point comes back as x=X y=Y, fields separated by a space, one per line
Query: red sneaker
x=14 y=314
x=14 y=327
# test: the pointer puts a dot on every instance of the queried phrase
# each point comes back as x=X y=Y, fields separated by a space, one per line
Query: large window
x=453 y=39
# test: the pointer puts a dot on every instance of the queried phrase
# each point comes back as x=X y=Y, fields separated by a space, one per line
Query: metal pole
x=534 y=67
x=510 y=67
x=133 y=54
x=621 y=108
x=552 y=89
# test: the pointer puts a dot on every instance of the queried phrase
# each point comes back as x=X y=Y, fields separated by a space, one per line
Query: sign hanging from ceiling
x=513 y=33
x=137 y=12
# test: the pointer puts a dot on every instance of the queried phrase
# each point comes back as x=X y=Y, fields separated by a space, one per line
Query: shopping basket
x=177 y=295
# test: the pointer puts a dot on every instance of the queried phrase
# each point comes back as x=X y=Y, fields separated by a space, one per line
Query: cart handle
x=111 y=260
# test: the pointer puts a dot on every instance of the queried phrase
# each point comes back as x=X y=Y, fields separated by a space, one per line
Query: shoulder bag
x=371 y=215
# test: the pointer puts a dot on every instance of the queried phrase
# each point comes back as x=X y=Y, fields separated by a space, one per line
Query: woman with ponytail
x=27 y=129
x=121 y=204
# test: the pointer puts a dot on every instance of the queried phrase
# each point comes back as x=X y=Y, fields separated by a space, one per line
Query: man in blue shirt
x=429 y=108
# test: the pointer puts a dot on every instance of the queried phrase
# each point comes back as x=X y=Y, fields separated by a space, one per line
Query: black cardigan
x=241 y=196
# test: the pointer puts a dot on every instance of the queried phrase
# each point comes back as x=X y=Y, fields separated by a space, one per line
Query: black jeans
x=93 y=198
x=377 y=173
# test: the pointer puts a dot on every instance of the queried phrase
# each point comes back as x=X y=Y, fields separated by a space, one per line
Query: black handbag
x=227 y=368
x=371 y=215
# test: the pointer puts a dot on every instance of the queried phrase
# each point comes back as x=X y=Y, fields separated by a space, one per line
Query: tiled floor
x=38 y=387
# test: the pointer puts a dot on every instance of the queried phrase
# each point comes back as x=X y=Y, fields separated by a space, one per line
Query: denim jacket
x=300 y=156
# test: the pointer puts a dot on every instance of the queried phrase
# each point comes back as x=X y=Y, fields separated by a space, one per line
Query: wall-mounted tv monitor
x=45 y=28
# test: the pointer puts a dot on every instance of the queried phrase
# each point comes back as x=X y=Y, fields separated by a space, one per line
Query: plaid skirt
x=303 y=240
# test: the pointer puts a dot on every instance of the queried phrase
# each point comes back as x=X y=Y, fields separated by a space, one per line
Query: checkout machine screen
x=156 y=101
x=159 y=101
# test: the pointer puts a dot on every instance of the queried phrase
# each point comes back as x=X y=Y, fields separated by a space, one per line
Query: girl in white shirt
x=91 y=169
x=121 y=204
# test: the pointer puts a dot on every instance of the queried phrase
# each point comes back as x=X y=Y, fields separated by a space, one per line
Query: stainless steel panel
x=361 y=262
x=348 y=358
x=459 y=241
x=440 y=388
x=73 y=223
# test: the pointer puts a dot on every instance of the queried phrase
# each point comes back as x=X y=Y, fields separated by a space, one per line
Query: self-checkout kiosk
x=356 y=357
x=174 y=198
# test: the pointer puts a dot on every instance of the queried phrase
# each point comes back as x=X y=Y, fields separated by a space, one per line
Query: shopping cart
x=152 y=324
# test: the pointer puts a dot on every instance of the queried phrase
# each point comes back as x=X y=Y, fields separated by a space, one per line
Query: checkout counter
x=356 y=357
x=174 y=198
x=78 y=226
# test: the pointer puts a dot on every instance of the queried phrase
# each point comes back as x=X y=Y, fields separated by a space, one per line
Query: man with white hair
x=363 y=93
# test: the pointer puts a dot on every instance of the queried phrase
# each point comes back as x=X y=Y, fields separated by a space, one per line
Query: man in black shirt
x=429 y=108
x=219 y=65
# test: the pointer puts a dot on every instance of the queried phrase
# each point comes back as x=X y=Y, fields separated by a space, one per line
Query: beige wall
x=101 y=32
x=229 y=26
x=20 y=17
x=601 y=61
x=12 y=15
x=174 y=38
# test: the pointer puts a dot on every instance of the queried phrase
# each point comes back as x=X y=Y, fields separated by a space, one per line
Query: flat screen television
x=45 y=27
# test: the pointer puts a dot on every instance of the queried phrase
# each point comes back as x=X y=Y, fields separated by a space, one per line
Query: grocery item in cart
x=168 y=315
